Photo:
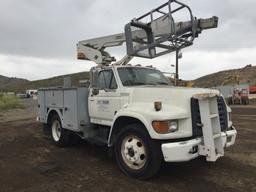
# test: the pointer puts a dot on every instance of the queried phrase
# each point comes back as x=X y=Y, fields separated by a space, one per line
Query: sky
x=38 y=38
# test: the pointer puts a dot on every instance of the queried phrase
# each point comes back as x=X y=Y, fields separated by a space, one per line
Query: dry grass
x=9 y=102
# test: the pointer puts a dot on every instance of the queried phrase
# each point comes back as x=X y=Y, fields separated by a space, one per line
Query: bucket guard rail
x=163 y=34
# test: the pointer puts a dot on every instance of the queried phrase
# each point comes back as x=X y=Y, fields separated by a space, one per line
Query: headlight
x=165 y=126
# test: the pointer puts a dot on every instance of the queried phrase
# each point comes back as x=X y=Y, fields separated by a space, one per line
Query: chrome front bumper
x=187 y=150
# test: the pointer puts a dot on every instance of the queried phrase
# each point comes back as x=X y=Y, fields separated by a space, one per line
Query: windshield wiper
x=138 y=83
x=162 y=83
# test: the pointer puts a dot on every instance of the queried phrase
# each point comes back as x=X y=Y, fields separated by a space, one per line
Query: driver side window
x=106 y=80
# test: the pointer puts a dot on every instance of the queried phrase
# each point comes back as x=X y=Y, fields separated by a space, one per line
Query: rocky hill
x=11 y=83
x=246 y=74
x=21 y=85
x=58 y=81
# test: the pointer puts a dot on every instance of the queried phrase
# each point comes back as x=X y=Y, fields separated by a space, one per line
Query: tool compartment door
x=54 y=98
x=70 y=120
x=41 y=107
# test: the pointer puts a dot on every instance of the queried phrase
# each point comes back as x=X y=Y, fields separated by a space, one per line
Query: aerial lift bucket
x=163 y=33
x=158 y=32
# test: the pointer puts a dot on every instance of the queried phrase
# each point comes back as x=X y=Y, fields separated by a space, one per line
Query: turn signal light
x=161 y=126
x=165 y=126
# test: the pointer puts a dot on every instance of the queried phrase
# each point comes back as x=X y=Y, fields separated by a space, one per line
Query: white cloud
x=194 y=64
x=33 y=68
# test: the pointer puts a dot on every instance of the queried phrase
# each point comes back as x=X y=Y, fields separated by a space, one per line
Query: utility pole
x=177 y=67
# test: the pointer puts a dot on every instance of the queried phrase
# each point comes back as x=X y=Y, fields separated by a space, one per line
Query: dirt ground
x=30 y=162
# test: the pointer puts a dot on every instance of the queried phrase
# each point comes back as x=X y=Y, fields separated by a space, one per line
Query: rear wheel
x=136 y=153
x=60 y=136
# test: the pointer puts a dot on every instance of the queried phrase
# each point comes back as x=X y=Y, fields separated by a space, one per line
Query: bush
x=9 y=102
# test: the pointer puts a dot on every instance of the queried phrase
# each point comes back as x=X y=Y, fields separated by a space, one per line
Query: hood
x=179 y=96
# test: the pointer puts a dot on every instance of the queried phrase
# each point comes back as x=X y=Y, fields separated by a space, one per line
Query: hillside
x=11 y=83
x=243 y=75
x=56 y=81
x=246 y=74
x=21 y=85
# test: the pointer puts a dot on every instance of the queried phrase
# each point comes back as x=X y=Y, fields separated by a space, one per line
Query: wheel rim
x=133 y=152
x=56 y=130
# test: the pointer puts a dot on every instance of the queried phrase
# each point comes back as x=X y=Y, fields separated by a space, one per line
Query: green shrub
x=9 y=102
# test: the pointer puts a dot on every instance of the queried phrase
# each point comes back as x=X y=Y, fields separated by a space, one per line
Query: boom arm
x=143 y=39
x=94 y=49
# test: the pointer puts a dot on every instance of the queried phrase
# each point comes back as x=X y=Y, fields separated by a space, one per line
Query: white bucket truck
x=135 y=110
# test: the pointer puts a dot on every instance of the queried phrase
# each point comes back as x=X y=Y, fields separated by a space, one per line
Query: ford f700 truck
x=135 y=110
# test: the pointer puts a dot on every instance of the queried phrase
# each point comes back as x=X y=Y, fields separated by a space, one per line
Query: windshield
x=131 y=76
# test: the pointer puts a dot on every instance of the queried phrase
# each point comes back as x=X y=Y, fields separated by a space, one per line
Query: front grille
x=222 y=113
x=196 y=117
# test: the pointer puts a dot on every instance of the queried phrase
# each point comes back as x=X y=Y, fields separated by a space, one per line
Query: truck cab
x=112 y=88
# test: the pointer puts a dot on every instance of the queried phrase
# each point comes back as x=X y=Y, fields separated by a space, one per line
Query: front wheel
x=60 y=136
x=136 y=153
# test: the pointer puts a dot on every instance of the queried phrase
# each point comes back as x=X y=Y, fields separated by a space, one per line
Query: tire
x=137 y=155
x=60 y=136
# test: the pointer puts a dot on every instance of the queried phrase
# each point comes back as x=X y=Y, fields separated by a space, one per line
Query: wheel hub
x=133 y=152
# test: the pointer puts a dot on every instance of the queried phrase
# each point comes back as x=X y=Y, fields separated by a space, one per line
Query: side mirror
x=94 y=77
x=180 y=55
x=95 y=91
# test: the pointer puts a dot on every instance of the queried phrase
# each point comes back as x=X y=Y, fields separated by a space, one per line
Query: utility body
x=135 y=110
